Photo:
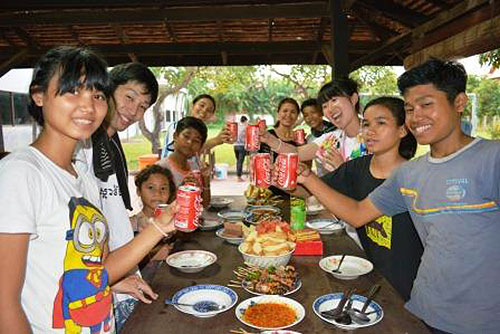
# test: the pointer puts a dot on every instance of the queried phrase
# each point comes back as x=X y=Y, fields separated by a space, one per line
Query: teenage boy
x=452 y=194
x=313 y=116
x=134 y=89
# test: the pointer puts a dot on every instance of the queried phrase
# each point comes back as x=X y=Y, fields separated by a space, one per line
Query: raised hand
x=165 y=221
x=332 y=159
x=303 y=172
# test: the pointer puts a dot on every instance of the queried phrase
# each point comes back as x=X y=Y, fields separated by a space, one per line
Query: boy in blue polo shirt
x=452 y=194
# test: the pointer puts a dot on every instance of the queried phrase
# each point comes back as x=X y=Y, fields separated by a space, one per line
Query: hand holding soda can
x=164 y=216
x=252 y=138
x=233 y=127
x=189 y=208
x=285 y=171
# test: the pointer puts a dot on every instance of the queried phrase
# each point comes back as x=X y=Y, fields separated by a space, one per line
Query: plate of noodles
x=270 y=312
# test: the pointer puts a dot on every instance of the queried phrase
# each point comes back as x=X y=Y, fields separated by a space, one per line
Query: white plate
x=280 y=332
x=330 y=301
x=233 y=241
x=296 y=288
x=296 y=306
x=351 y=268
x=210 y=224
x=333 y=225
x=205 y=293
x=220 y=202
x=191 y=261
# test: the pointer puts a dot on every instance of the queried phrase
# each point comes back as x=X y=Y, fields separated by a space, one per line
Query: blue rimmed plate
x=330 y=301
x=207 y=293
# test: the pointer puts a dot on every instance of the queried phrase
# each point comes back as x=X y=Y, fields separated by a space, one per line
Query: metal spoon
x=202 y=306
x=337 y=271
x=359 y=316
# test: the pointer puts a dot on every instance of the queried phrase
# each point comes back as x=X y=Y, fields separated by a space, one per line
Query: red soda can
x=233 y=127
x=260 y=170
x=285 y=171
x=262 y=124
x=160 y=208
x=300 y=136
x=189 y=208
x=252 y=138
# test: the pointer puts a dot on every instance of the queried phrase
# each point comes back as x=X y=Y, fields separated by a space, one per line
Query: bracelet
x=152 y=221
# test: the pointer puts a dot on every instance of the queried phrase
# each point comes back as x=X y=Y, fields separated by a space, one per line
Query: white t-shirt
x=68 y=234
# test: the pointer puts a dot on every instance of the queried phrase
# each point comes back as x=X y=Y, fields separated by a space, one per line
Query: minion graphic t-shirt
x=66 y=286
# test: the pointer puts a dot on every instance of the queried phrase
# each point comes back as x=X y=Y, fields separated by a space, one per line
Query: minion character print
x=84 y=298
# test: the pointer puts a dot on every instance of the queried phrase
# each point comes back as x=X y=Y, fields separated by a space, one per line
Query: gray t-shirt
x=454 y=203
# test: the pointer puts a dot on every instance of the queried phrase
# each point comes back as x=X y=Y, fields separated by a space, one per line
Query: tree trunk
x=154 y=136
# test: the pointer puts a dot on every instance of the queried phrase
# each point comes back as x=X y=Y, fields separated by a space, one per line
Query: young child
x=155 y=185
x=453 y=196
x=57 y=276
x=391 y=243
x=189 y=137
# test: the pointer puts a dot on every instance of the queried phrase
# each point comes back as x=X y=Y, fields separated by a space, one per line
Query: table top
x=166 y=281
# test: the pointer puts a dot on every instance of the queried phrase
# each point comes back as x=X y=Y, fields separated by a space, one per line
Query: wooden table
x=166 y=281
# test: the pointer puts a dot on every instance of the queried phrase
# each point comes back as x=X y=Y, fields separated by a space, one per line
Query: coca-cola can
x=300 y=136
x=189 y=208
x=260 y=170
x=233 y=127
x=160 y=208
x=252 y=138
x=285 y=171
x=262 y=124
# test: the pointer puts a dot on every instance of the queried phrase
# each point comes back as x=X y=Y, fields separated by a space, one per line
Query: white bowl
x=191 y=261
x=314 y=209
x=233 y=215
x=231 y=240
x=205 y=293
x=296 y=306
x=352 y=267
x=330 y=301
x=326 y=225
x=264 y=261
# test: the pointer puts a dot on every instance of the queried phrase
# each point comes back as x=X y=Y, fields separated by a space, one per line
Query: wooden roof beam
x=376 y=29
x=30 y=42
x=171 y=31
x=4 y=36
x=395 y=11
x=482 y=37
x=172 y=14
x=270 y=25
x=340 y=40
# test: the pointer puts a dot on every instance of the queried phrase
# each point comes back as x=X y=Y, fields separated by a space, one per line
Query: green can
x=297 y=213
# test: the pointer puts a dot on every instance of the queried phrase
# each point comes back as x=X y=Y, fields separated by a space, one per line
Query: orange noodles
x=270 y=315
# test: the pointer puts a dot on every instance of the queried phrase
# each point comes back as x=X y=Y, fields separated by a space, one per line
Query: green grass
x=138 y=146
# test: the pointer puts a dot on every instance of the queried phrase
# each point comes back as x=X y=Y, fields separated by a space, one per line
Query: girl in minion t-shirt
x=57 y=275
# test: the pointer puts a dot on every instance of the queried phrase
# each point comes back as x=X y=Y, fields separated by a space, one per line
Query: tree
x=491 y=58
x=305 y=79
x=178 y=78
x=376 y=80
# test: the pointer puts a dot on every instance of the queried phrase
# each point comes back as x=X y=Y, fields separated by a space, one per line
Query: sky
x=471 y=65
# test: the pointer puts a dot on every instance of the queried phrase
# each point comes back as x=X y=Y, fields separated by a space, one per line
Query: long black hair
x=408 y=144
x=76 y=67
